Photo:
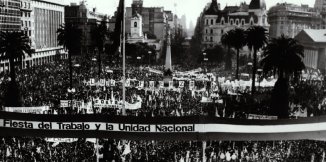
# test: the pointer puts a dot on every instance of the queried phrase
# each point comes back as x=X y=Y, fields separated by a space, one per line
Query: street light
x=149 y=57
x=138 y=59
x=259 y=72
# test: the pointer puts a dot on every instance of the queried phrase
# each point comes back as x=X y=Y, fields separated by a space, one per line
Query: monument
x=168 y=61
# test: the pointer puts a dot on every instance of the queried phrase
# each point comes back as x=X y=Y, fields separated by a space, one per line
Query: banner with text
x=161 y=128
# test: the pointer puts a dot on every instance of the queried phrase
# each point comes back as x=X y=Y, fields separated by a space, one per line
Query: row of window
x=212 y=31
x=9 y=26
x=27 y=23
x=5 y=11
x=209 y=39
x=231 y=22
x=26 y=14
x=9 y=18
x=26 y=5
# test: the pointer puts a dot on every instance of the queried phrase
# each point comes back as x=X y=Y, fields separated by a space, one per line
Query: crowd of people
x=39 y=149
x=47 y=85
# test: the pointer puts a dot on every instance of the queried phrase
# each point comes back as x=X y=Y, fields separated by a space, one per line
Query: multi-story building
x=10 y=15
x=320 y=5
x=26 y=19
x=38 y=19
x=46 y=18
x=290 y=19
x=314 y=43
x=216 y=21
x=85 y=20
x=9 y=21
x=155 y=19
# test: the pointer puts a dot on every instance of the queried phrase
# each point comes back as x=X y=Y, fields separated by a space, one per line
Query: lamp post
x=138 y=60
x=149 y=57
x=259 y=72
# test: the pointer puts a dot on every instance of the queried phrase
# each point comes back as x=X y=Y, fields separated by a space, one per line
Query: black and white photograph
x=162 y=80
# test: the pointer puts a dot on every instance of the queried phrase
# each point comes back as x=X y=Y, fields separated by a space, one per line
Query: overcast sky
x=191 y=8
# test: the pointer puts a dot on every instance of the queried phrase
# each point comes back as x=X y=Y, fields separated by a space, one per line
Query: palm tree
x=256 y=39
x=226 y=40
x=99 y=35
x=238 y=38
x=284 y=56
x=69 y=37
x=13 y=47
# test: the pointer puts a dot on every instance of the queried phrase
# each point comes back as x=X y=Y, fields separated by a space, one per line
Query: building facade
x=290 y=19
x=216 y=22
x=320 y=5
x=46 y=18
x=85 y=20
x=39 y=20
x=10 y=15
x=314 y=42
x=26 y=19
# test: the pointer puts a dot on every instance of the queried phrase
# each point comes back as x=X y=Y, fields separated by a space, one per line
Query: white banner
x=191 y=85
x=61 y=140
x=181 y=84
x=261 y=117
x=161 y=84
x=33 y=110
x=67 y=103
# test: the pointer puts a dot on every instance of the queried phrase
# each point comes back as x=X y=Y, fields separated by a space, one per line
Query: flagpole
x=124 y=61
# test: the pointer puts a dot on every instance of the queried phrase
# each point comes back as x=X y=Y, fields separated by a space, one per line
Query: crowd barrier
x=160 y=128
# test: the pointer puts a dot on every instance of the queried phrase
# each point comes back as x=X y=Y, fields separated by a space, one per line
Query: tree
x=99 y=35
x=256 y=39
x=238 y=38
x=283 y=56
x=69 y=36
x=227 y=41
x=13 y=47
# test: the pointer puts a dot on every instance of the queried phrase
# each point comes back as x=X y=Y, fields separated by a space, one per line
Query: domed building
x=216 y=21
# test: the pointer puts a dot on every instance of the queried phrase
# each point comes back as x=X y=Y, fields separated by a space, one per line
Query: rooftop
x=316 y=35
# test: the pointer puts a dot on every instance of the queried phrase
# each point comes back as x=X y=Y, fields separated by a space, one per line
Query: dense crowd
x=39 y=149
x=46 y=85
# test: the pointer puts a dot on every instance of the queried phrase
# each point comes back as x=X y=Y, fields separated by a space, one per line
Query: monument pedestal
x=166 y=79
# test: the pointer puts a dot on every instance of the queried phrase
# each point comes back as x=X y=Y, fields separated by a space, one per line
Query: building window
x=135 y=24
x=222 y=31
x=206 y=31
x=212 y=31
x=242 y=22
x=236 y=22
x=212 y=21
x=206 y=21
x=211 y=39
x=222 y=22
x=231 y=22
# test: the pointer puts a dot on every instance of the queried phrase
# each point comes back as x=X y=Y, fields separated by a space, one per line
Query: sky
x=190 y=8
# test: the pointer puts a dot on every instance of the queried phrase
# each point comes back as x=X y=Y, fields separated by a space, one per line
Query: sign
x=151 y=84
x=191 y=85
x=141 y=84
x=264 y=117
x=33 y=110
x=127 y=84
x=161 y=84
x=181 y=84
x=61 y=140
x=162 y=128
x=170 y=84
x=67 y=103
x=106 y=104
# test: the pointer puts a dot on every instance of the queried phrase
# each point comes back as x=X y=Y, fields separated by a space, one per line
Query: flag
x=127 y=150
x=118 y=27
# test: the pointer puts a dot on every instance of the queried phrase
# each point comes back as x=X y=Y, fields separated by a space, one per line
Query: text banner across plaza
x=160 y=128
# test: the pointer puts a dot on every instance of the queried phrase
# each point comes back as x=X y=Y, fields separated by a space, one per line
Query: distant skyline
x=190 y=8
